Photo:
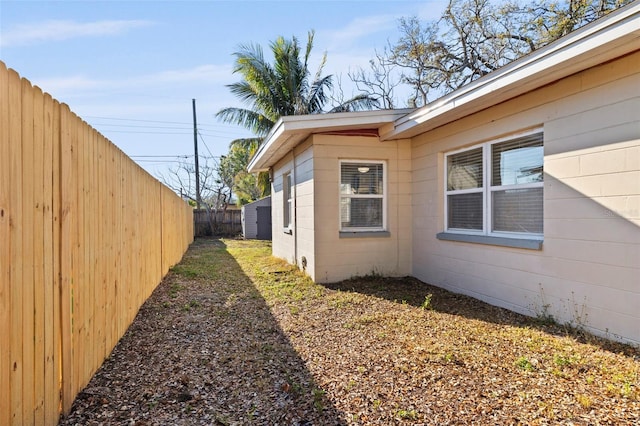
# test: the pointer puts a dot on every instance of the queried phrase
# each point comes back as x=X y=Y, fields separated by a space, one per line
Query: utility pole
x=195 y=149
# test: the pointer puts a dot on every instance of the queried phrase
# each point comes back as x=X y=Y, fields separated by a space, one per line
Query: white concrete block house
x=521 y=189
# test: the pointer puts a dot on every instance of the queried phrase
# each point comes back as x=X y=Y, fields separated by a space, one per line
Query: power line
x=152 y=121
x=186 y=132
x=137 y=120
x=159 y=161
x=161 y=156
x=146 y=133
x=142 y=127
x=205 y=144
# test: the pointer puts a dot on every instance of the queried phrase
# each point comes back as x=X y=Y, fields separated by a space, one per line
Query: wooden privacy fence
x=85 y=237
x=224 y=222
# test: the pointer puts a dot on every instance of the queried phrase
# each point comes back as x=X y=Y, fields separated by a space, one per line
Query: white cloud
x=203 y=73
x=352 y=46
x=364 y=29
x=59 y=30
x=71 y=83
x=83 y=86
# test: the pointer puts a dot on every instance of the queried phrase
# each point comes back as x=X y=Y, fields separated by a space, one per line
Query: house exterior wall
x=588 y=270
x=292 y=244
x=315 y=236
x=339 y=258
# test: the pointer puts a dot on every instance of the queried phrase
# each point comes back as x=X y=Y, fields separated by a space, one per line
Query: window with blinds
x=497 y=188
x=362 y=196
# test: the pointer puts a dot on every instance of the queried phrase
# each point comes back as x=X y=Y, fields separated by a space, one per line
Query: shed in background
x=256 y=219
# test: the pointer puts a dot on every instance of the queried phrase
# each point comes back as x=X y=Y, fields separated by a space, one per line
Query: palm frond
x=361 y=102
x=317 y=97
x=248 y=144
x=250 y=120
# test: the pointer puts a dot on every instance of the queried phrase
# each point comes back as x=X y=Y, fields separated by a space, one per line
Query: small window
x=496 y=188
x=362 y=196
x=287 y=208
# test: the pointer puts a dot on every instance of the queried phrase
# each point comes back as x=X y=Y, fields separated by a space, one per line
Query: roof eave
x=290 y=131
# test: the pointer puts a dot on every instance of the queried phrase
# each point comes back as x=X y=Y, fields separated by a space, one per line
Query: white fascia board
x=593 y=44
x=270 y=139
x=291 y=130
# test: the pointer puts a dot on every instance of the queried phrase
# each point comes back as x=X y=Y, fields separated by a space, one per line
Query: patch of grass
x=627 y=390
x=562 y=361
x=524 y=364
x=407 y=414
x=292 y=387
x=343 y=299
x=184 y=271
x=584 y=401
x=174 y=289
x=426 y=305
x=318 y=399
x=191 y=305
x=367 y=319
x=277 y=281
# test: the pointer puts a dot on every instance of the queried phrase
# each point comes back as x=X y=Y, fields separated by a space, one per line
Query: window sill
x=523 y=243
x=364 y=234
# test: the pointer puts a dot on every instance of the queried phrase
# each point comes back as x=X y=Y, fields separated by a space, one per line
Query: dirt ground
x=232 y=337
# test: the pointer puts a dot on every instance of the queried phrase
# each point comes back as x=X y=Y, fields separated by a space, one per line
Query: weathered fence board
x=224 y=222
x=5 y=259
x=85 y=237
x=16 y=219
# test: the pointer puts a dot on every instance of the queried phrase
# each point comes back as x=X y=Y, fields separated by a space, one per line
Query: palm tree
x=282 y=88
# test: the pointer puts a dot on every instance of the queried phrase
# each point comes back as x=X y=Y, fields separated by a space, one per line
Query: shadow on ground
x=416 y=293
x=204 y=349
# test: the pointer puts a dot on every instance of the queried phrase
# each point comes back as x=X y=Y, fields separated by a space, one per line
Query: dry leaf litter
x=233 y=336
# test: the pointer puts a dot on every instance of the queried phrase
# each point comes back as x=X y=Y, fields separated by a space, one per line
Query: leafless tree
x=215 y=190
x=471 y=39
x=379 y=81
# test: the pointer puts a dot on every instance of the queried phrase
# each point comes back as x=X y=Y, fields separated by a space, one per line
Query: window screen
x=362 y=195
x=497 y=188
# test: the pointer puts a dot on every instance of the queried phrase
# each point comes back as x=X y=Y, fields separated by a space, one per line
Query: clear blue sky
x=131 y=68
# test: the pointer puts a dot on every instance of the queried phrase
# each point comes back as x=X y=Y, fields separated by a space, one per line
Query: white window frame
x=487 y=189
x=287 y=201
x=383 y=196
